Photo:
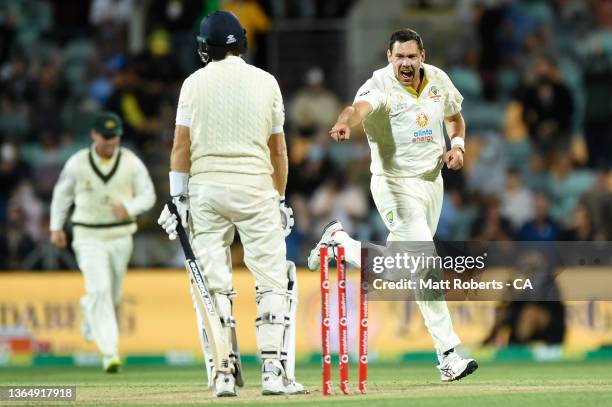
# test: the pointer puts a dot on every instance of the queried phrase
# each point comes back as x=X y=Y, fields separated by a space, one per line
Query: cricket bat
x=219 y=346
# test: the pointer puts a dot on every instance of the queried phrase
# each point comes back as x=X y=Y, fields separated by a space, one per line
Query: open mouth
x=406 y=75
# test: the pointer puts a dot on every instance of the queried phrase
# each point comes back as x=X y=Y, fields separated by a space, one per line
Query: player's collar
x=95 y=160
x=232 y=59
x=103 y=161
x=422 y=85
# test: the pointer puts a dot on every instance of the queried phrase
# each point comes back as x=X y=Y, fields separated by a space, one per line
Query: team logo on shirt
x=389 y=217
x=422 y=120
x=434 y=93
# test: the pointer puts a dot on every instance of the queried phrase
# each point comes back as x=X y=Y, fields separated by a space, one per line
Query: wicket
x=342 y=323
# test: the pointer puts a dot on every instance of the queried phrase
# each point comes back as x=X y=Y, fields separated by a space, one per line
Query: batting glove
x=168 y=221
x=287 y=220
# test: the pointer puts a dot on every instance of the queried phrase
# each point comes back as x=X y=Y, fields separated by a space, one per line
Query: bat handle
x=182 y=234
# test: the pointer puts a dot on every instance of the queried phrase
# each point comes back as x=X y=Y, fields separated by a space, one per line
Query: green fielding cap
x=108 y=124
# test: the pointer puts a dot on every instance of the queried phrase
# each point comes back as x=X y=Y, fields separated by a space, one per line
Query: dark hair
x=403 y=35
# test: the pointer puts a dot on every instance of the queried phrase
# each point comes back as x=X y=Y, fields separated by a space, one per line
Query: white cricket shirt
x=92 y=184
x=405 y=130
x=231 y=108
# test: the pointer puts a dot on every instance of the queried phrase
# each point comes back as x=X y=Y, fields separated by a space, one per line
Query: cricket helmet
x=220 y=32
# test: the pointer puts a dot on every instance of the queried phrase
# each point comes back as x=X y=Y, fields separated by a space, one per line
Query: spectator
x=582 y=228
x=517 y=201
x=548 y=108
x=139 y=106
x=598 y=109
x=541 y=227
x=567 y=186
x=537 y=176
x=314 y=108
x=13 y=170
x=15 y=242
x=46 y=100
x=534 y=317
x=491 y=225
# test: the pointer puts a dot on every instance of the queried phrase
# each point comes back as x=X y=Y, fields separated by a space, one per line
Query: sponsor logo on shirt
x=422 y=120
x=364 y=93
x=422 y=136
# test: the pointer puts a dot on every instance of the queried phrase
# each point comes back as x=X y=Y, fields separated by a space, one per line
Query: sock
x=352 y=247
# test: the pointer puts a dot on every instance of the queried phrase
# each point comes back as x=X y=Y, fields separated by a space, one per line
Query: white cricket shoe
x=111 y=363
x=314 y=258
x=454 y=367
x=225 y=385
x=294 y=387
x=85 y=326
x=272 y=378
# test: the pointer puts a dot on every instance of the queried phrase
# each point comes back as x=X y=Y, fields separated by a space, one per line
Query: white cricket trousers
x=410 y=208
x=103 y=264
x=217 y=210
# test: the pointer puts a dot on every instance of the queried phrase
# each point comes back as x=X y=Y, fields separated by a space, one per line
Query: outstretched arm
x=350 y=117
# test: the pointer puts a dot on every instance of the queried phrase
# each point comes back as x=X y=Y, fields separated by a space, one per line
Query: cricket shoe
x=111 y=363
x=454 y=367
x=272 y=383
x=314 y=258
x=85 y=326
x=225 y=385
x=294 y=387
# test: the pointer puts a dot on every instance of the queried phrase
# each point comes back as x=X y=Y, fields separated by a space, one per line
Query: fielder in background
x=228 y=172
x=403 y=107
x=109 y=187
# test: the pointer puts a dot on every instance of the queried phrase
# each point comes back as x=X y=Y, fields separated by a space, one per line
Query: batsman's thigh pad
x=271 y=322
x=257 y=219
x=212 y=234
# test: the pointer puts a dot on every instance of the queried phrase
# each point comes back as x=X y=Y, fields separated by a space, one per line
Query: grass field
x=500 y=384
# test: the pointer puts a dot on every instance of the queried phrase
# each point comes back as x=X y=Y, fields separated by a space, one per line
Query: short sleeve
x=370 y=93
x=278 y=110
x=452 y=104
x=183 y=110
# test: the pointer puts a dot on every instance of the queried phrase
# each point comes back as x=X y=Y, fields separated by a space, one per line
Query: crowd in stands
x=536 y=77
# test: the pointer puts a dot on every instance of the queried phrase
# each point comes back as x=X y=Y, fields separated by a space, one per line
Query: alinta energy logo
x=422 y=135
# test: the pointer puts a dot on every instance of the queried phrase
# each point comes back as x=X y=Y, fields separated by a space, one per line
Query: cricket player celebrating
x=228 y=168
x=109 y=187
x=402 y=108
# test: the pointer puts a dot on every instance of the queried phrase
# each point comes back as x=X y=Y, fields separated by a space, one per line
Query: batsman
x=228 y=173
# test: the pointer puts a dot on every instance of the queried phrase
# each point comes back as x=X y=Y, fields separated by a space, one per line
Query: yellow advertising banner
x=156 y=315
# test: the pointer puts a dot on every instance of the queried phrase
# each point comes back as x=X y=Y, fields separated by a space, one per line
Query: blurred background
x=536 y=76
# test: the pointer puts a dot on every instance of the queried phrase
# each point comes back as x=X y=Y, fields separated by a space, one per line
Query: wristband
x=179 y=182
x=458 y=142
